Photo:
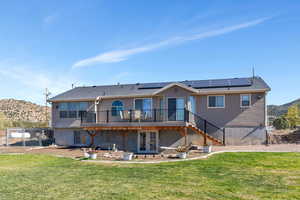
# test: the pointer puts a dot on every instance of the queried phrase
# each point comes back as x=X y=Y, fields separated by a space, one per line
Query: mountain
x=274 y=110
x=19 y=110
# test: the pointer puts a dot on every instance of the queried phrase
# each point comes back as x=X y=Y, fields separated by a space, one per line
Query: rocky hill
x=274 y=110
x=19 y=110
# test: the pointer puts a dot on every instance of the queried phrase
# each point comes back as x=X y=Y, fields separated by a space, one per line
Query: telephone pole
x=47 y=94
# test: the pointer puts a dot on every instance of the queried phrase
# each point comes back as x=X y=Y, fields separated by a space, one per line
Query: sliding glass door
x=175 y=109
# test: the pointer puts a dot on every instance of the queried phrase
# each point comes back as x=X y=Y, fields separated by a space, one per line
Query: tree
x=293 y=116
x=281 y=123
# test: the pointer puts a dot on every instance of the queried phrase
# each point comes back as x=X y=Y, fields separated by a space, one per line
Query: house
x=144 y=117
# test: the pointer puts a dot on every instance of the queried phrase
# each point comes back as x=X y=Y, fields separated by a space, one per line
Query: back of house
x=144 y=117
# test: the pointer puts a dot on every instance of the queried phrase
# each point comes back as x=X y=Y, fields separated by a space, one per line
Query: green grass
x=222 y=176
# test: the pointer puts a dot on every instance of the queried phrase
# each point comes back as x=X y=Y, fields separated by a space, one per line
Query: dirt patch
x=285 y=137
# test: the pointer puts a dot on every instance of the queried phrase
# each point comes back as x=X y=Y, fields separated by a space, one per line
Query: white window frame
x=224 y=102
x=241 y=100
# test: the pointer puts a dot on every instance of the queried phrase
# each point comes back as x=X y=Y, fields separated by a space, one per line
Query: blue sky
x=56 y=43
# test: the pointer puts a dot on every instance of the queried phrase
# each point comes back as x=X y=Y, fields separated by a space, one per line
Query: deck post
x=130 y=115
x=224 y=136
x=107 y=116
x=154 y=113
x=185 y=136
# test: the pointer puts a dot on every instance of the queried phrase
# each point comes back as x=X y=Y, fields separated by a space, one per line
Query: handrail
x=206 y=120
x=206 y=126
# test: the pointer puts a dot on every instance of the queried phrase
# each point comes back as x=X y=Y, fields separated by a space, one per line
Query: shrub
x=281 y=123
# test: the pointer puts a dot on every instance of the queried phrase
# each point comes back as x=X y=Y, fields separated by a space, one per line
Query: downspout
x=97 y=102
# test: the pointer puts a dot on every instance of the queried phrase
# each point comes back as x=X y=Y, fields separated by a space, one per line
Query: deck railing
x=154 y=115
x=145 y=115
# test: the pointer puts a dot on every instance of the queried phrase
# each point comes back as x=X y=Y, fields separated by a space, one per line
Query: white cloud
x=29 y=84
x=121 y=55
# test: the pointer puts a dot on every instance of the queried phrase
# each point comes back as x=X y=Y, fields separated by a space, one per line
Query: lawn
x=222 y=176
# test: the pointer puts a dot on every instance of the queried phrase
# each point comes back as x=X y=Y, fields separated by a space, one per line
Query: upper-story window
x=245 y=100
x=216 y=101
x=72 y=109
x=116 y=108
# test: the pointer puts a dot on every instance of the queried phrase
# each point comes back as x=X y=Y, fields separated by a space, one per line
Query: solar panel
x=200 y=84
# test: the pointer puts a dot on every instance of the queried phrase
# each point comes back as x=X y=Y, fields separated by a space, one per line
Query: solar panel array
x=200 y=84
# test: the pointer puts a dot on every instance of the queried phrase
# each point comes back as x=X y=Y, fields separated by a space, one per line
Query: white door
x=147 y=142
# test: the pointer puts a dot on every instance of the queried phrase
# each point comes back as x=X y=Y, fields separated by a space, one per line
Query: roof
x=149 y=89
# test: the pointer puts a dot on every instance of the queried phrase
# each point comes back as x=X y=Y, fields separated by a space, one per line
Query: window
x=245 y=100
x=116 y=108
x=72 y=109
x=145 y=106
x=216 y=101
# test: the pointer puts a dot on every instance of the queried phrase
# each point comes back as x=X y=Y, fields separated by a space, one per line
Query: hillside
x=19 y=110
x=274 y=110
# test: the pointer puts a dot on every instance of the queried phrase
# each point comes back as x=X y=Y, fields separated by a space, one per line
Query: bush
x=281 y=123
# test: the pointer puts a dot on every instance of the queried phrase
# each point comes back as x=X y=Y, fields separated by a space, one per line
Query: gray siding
x=243 y=125
x=58 y=122
x=233 y=115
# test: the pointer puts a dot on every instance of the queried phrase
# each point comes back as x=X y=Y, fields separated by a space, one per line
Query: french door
x=147 y=142
x=175 y=109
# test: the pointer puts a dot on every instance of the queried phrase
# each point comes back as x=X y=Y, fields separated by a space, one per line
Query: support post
x=185 y=136
x=107 y=116
x=186 y=115
x=130 y=115
x=7 y=136
x=154 y=113
x=224 y=142
x=267 y=138
x=205 y=139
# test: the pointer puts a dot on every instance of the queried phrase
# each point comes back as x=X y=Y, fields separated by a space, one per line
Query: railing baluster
x=107 y=116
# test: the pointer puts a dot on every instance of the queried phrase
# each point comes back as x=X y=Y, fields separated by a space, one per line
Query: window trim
x=241 y=104
x=224 y=101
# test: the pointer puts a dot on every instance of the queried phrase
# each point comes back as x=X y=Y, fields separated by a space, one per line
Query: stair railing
x=207 y=127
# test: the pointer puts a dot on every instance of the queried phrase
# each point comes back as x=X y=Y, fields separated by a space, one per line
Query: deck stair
x=198 y=131
x=207 y=129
